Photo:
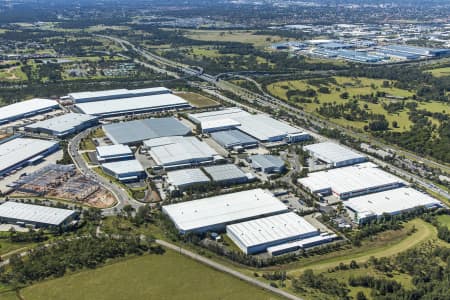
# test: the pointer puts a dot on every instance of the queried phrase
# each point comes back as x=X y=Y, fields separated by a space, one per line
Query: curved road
x=123 y=198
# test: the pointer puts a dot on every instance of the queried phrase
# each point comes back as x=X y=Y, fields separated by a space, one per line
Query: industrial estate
x=238 y=149
x=193 y=151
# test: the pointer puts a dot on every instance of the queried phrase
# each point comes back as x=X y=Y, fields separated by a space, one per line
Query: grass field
x=444 y=220
x=170 y=276
x=440 y=72
x=13 y=74
x=6 y=246
x=242 y=36
x=8 y=295
x=343 y=277
x=198 y=100
x=356 y=86
x=386 y=244
x=87 y=144
x=205 y=52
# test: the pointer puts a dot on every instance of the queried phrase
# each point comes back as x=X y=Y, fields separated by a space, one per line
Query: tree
x=361 y=296
x=344 y=95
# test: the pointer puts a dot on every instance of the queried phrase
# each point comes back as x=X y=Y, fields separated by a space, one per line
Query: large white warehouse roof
x=265 y=128
x=391 y=202
x=140 y=104
x=24 y=108
x=115 y=94
x=138 y=130
x=335 y=154
x=34 y=213
x=18 y=150
x=260 y=126
x=62 y=124
x=114 y=151
x=269 y=231
x=349 y=181
x=124 y=167
x=216 y=212
x=186 y=177
x=177 y=150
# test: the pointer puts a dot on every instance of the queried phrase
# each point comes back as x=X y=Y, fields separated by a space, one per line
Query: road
x=227 y=270
x=198 y=258
x=275 y=104
x=122 y=197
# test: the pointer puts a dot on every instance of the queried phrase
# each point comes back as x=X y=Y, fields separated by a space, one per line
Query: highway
x=122 y=197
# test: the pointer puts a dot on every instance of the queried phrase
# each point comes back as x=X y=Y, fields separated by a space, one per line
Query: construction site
x=65 y=183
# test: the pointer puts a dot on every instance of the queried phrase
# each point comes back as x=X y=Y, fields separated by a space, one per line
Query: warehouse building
x=392 y=202
x=64 y=125
x=359 y=56
x=35 y=215
x=215 y=213
x=26 y=109
x=336 y=46
x=234 y=139
x=125 y=170
x=186 y=178
x=82 y=97
x=422 y=51
x=134 y=132
x=325 y=53
x=334 y=154
x=261 y=127
x=316 y=240
x=226 y=174
x=256 y=236
x=18 y=152
x=352 y=181
x=113 y=153
x=226 y=114
x=268 y=163
x=180 y=152
x=267 y=129
x=133 y=105
x=397 y=54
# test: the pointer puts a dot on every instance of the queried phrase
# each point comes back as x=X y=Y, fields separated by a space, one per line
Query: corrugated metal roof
x=139 y=130
x=63 y=123
x=231 y=138
x=333 y=153
x=19 y=150
x=25 y=107
x=261 y=127
x=271 y=229
x=124 y=167
x=114 y=94
x=34 y=213
x=131 y=104
x=353 y=178
x=267 y=161
x=222 y=209
x=187 y=177
x=177 y=150
x=113 y=150
x=228 y=172
x=391 y=202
